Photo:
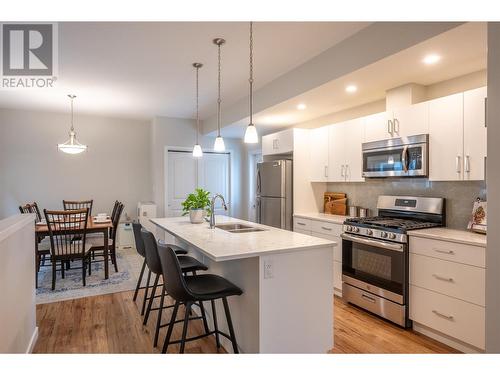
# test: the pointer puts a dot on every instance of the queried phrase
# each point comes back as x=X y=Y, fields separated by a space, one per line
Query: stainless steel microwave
x=397 y=157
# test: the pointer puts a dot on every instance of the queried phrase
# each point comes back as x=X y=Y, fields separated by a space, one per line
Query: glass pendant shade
x=251 y=135
x=197 y=151
x=71 y=146
x=219 y=144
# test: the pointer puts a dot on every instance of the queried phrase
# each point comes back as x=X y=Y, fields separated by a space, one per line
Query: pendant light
x=219 y=141
x=197 y=151
x=72 y=146
x=251 y=132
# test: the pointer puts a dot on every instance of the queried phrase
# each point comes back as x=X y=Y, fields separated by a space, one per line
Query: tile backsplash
x=459 y=195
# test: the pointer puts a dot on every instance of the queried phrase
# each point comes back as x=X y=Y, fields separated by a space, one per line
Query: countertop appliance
x=397 y=157
x=274 y=194
x=375 y=254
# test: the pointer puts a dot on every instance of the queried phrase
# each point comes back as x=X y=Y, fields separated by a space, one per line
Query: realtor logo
x=29 y=55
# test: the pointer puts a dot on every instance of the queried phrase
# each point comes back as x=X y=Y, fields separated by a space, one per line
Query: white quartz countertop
x=220 y=245
x=336 y=219
x=451 y=235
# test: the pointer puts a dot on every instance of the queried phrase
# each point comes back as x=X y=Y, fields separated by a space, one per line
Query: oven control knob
x=383 y=234
x=350 y=228
x=355 y=229
x=392 y=236
x=369 y=232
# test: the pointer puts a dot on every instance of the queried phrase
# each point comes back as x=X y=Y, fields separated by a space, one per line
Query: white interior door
x=181 y=180
x=213 y=176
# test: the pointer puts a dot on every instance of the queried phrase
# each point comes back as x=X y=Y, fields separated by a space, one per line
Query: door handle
x=368 y=298
x=404 y=159
x=396 y=126
x=390 y=127
x=326 y=171
x=457 y=164
x=442 y=278
x=342 y=170
x=467 y=164
x=449 y=317
x=451 y=252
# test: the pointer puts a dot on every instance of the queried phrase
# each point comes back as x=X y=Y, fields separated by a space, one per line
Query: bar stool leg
x=170 y=327
x=146 y=293
x=230 y=325
x=151 y=299
x=216 y=326
x=140 y=280
x=185 y=327
x=204 y=316
x=158 y=319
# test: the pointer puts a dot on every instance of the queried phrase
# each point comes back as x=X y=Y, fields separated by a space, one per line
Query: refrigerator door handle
x=257 y=210
x=258 y=182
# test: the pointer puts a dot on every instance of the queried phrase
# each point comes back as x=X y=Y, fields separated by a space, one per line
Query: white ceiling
x=142 y=70
x=463 y=50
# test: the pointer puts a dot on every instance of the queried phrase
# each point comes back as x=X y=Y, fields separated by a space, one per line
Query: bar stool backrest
x=139 y=243
x=152 y=259
x=172 y=275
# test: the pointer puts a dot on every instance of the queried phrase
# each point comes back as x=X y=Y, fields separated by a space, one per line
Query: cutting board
x=335 y=203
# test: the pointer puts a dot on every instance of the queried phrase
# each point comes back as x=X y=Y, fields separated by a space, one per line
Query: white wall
x=493 y=186
x=175 y=132
x=116 y=165
x=18 y=331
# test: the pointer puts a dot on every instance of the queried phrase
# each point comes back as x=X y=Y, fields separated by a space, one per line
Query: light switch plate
x=268 y=269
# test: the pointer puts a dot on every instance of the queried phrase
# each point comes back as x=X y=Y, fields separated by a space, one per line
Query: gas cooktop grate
x=392 y=223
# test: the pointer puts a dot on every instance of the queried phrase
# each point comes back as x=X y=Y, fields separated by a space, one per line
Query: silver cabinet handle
x=326 y=228
x=347 y=171
x=396 y=126
x=443 y=278
x=485 y=112
x=467 y=164
x=449 y=317
x=342 y=170
x=457 y=164
x=390 y=127
x=368 y=298
x=326 y=171
x=299 y=223
x=451 y=252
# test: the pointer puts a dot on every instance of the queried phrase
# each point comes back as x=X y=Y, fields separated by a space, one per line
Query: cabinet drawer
x=461 y=320
x=301 y=231
x=326 y=228
x=337 y=275
x=455 y=252
x=452 y=279
x=337 y=250
x=302 y=224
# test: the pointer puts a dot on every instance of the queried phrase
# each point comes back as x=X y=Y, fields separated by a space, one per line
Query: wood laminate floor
x=112 y=323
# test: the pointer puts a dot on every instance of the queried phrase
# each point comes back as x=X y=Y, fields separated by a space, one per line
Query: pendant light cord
x=72 y=97
x=218 y=98
x=250 y=80
x=197 y=110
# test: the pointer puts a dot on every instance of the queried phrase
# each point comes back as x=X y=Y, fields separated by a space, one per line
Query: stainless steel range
x=375 y=254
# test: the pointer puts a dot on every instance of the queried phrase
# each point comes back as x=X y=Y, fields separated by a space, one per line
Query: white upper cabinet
x=446 y=138
x=345 y=158
x=475 y=134
x=278 y=143
x=410 y=120
x=319 y=154
x=377 y=127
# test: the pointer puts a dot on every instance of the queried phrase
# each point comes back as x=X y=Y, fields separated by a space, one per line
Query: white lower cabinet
x=329 y=231
x=447 y=292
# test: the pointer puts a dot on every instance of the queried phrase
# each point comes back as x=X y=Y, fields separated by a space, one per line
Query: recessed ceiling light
x=301 y=107
x=351 y=88
x=431 y=59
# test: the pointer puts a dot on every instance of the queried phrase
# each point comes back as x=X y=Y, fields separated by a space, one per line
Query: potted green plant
x=197 y=205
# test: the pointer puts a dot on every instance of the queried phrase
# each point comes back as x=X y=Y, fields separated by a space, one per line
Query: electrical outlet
x=268 y=269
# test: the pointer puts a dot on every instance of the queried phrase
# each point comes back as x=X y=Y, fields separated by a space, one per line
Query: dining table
x=93 y=226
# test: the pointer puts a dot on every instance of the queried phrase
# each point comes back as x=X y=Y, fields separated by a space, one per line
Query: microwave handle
x=404 y=158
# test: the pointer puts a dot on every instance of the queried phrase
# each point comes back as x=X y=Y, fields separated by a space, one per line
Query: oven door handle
x=376 y=243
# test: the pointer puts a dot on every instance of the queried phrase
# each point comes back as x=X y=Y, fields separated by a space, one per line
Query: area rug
x=71 y=287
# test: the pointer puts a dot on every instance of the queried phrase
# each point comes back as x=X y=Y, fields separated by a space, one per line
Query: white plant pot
x=196 y=216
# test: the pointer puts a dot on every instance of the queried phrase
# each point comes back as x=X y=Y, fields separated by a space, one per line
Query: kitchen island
x=286 y=277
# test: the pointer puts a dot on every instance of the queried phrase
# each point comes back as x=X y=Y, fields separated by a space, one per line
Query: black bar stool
x=188 y=264
x=139 y=245
x=188 y=290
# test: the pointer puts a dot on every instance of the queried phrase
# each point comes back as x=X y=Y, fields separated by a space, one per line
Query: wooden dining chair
x=98 y=242
x=78 y=205
x=63 y=226
x=43 y=244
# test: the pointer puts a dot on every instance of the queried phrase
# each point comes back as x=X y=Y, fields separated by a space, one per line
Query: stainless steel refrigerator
x=274 y=194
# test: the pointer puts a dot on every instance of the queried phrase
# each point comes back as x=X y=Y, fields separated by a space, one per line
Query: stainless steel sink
x=238 y=228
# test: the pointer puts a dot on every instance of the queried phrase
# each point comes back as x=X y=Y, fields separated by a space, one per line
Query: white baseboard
x=34 y=338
